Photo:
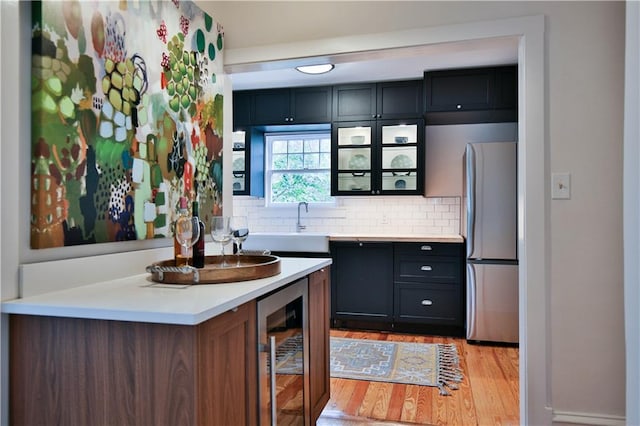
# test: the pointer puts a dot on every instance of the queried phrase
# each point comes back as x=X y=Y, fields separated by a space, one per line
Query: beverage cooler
x=283 y=362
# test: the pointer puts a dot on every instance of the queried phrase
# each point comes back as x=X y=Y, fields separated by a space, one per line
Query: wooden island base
x=74 y=371
x=83 y=371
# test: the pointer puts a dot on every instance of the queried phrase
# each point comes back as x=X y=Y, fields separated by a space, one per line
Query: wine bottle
x=180 y=254
x=198 y=247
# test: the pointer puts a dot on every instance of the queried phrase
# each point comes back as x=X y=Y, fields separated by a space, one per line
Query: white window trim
x=268 y=172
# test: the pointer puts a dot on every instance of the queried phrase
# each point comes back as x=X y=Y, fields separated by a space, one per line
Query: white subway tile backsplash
x=366 y=215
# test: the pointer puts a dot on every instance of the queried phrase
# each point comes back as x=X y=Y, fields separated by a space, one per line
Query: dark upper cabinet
x=353 y=102
x=240 y=162
x=459 y=90
x=389 y=100
x=248 y=161
x=400 y=99
x=506 y=88
x=305 y=105
x=241 y=108
x=377 y=157
x=270 y=106
x=311 y=105
x=472 y=95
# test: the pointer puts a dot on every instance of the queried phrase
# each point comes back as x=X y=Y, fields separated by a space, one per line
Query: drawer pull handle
x=426 y=248
x=426 y=268
x=426 y=302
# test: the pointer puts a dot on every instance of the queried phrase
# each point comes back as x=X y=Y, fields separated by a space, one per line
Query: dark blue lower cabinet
x=405 y=287
x=361 y=285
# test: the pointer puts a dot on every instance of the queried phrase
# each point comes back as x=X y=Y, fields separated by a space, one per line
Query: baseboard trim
x=595 y=419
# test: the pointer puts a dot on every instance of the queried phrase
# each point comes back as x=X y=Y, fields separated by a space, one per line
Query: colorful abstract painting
x=126 y=100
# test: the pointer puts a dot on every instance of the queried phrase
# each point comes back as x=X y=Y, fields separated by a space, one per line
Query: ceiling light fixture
x=315 y=69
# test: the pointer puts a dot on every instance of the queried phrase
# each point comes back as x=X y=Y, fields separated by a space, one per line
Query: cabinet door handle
x=426 y=302
x=426 y=268
x=458 y=106
x=426 y=248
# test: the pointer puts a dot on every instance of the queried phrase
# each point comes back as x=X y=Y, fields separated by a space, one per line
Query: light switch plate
x=561 y=186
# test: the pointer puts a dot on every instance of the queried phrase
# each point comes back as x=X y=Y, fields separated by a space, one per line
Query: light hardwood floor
x=487 y=395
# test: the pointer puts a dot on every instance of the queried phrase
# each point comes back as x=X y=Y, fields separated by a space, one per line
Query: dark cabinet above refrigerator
x=471 y=95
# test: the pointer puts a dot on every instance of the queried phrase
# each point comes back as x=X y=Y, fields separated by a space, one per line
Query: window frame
x=269 y=171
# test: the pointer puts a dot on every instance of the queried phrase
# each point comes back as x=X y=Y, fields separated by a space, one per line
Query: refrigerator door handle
x=471 y=198
x=471 y=300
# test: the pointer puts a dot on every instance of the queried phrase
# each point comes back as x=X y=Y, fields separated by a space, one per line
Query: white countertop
x=401 y=238
x=137 y=298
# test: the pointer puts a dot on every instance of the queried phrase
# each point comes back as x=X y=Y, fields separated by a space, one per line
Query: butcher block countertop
x=401 y=238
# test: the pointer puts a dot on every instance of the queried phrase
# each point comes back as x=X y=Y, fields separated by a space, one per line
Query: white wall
x=9 y=137
x=632 y=210
x=584 y=66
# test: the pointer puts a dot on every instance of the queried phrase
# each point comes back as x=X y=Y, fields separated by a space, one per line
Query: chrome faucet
x=299 y=226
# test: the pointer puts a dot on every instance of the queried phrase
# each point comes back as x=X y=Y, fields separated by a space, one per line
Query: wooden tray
x=252 y=267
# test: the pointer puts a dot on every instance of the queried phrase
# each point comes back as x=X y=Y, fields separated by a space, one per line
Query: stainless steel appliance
x=283 y=330
x=490 y=213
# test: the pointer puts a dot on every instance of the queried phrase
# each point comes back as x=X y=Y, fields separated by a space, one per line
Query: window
x=298 y=167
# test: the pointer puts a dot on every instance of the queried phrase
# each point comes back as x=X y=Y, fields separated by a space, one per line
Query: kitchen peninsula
x=131 y=351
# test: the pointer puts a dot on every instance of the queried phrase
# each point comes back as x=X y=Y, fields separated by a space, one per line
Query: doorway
x=532 y=204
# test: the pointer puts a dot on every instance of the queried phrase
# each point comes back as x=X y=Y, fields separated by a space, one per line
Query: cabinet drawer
x=423 y=268
x=433 y=304
x=429 y=249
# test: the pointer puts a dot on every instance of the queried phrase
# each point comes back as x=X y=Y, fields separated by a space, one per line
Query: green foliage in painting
x=126 y=118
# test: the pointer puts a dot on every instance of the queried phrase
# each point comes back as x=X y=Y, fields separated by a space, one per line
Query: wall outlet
x=561 y=186
x=385 y=219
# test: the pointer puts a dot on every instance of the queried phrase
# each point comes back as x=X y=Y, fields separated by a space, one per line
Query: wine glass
x=221 y=233
x=240 y=231
x=187 y=234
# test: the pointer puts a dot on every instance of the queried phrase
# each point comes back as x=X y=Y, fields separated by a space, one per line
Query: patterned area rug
x=423 y=364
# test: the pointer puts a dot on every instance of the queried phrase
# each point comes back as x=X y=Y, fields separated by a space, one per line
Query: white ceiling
x=380 y=65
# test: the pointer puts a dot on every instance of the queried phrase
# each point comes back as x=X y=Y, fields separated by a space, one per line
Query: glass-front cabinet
x=378 y=158
x=240 y=162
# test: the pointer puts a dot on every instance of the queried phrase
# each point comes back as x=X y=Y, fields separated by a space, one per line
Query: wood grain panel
x=166 y=371
x=228 y=355
x=91 y=372
x=74 y=371
x=319 y=329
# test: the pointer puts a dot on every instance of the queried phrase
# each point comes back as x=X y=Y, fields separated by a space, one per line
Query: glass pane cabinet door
x=378 y=157
x=399 y=165
x=239 y=165
x=354 y=159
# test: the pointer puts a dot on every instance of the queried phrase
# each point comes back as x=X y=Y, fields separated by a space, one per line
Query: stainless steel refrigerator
x=490 y=215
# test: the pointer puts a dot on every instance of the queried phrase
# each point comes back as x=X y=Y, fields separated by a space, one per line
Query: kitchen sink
x=287 y=242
